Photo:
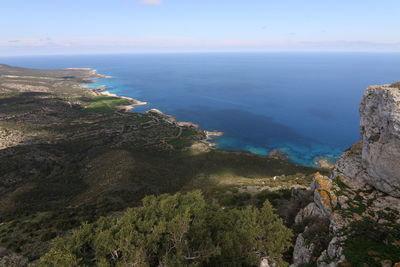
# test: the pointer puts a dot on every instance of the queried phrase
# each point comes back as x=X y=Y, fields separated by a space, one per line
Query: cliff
x=354 y=219
x=380 y=129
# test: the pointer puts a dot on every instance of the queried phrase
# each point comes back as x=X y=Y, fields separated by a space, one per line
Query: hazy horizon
x=73 y=27
x=196 y=52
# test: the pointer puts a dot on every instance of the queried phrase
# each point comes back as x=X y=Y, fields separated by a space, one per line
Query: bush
x=369 y=242
x=273 y=196
x=235 y=199
x=176 y=230
x=48 y=236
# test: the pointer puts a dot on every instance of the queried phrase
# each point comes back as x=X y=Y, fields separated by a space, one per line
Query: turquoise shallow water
x=305 y=104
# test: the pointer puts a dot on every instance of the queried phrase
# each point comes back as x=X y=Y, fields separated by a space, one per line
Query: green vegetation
x=142 y=119
x=340 y=184
x=273 y=196
x=355 y=205
x=187 y=133
x=176 y=230
x=370 y=242
x=184 y=139
x=69 y=158
x=112 y=179
x=231 y=197
x=235 y=199
x=106 y=104
x=371 y=236
x=178 y=143
x=317 y=233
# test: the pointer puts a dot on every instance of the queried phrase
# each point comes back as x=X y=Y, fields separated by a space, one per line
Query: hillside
x=70 y=154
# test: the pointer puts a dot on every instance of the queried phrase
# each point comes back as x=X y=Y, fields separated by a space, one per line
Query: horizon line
x=206 y=52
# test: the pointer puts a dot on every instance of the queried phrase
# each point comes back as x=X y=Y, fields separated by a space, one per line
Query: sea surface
x=305 y=104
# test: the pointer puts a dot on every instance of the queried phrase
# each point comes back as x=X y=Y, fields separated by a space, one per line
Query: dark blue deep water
x=303 y=103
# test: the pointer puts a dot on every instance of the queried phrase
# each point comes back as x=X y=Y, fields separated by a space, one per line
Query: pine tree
x=175 y=230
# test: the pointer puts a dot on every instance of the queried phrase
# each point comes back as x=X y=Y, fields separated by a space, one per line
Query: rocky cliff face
x=380 y=129
x=354 y=219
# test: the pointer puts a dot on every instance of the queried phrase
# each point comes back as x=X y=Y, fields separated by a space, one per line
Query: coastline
x=103 y=91
x=210 y=136
x=125 y=108
x=319 y=161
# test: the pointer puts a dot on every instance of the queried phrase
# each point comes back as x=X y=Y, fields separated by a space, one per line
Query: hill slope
x=69 y=154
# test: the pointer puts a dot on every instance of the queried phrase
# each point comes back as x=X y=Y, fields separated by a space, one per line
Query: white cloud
x=151 y=2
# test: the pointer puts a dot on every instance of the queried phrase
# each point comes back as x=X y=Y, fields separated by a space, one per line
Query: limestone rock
x=349 y=166
x=303 y=252
x=380 y=130
x=324 y=197
x=333 y=254
x=311 y=210
x=264 y=263
x=324 y=260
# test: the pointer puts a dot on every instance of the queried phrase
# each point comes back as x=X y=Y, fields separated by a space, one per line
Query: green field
x=106 y=104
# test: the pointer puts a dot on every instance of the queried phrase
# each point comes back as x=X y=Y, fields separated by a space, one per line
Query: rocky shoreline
x=210 y=135
x=135 y=102
x=103 y=91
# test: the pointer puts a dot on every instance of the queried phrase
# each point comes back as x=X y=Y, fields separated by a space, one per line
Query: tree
x=176 y=230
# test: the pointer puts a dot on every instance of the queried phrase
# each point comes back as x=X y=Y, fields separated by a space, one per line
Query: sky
x=40 y=27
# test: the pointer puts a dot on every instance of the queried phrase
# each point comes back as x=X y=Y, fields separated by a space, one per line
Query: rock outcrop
x=380 y=129
x=361 y=198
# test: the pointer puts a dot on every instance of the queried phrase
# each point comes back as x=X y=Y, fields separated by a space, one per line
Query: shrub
x=48 y=236
x=235 y=199
x=176 y=230
x=369 y=242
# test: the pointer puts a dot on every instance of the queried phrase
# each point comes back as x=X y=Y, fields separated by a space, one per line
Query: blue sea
x=305 y=104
